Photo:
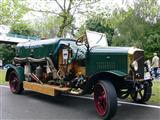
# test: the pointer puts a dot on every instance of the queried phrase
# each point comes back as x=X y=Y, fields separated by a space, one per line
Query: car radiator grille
x=139 y=57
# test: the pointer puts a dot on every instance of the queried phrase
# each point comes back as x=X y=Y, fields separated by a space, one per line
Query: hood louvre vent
x=105 y=66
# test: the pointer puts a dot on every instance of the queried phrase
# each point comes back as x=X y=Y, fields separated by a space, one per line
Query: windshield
x=96 y=39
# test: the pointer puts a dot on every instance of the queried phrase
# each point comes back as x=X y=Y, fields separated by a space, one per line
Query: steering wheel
x=82 y=41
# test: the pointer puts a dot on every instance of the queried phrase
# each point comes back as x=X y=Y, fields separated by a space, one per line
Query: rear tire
x=105 y=99
x=16 y=86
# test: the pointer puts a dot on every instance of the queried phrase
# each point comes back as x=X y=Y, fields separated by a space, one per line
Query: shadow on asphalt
x=61 y=100
x=83 y=105
x=124 y=112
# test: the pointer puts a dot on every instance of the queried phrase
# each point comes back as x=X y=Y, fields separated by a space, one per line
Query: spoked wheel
x=105 y=99
x=123 y=94
x=14 y=83
x=141 y=92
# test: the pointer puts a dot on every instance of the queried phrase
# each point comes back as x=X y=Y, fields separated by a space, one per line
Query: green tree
x=48 y=27
x=22 y=28
x=12 y=11
x=99 y=23
x=139 y=26
x=147 y=9
x=152 y=45
x=7 y=52
x=81 y=31
x=118 y=16
x=66 y=14
x=152 y=40
x=131 y=32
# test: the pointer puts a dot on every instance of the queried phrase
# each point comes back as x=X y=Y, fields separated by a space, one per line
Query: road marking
x=120 y=102
x=141 y=105
x=4 y=86
x=91 y=98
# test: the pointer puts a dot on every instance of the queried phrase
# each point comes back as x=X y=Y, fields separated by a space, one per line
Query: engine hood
x=118 y=50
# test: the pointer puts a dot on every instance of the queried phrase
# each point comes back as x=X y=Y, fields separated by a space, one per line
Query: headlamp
x=134 y=65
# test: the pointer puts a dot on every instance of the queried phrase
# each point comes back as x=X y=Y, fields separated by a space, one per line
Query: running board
x=51 y=90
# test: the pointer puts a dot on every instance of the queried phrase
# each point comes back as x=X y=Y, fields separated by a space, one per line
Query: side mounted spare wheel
x=105 y=99
x=16 y=86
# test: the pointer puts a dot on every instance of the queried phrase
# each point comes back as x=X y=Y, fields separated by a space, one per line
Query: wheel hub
x=100 y=100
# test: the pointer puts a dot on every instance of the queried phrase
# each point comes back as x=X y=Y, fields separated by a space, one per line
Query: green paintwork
x=20 y=73
x=110 y=50
x=117 y=73
x=19 y=70
x=46 y=48
x=111 y=59
x=37 y=49
x=98 y=59
x=49 y=48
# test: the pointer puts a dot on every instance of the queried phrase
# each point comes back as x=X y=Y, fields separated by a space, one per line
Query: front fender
x=18 y=69
x=108 y=74
x=114 y=76
x=117 y=73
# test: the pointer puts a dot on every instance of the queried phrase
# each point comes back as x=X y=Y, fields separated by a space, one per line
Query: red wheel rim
x=100 y=99
x=13 y=82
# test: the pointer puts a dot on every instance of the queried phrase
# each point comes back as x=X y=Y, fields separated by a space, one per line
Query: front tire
x=141 y=92
x=105 y=99
x=15 y=84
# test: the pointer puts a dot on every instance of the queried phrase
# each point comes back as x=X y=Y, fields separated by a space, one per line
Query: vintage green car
x=79 y=67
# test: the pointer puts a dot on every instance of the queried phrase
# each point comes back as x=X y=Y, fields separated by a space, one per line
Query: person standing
x=1 y=63
x=155 y=63
x=148 y=66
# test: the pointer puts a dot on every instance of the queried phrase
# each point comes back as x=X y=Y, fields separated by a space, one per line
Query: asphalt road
x=35 y=106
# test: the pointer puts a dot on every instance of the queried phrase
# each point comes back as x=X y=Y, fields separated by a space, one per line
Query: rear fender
x=18 y=69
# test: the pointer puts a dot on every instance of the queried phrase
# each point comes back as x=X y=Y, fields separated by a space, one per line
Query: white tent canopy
x=14 y=40
x=6 y=39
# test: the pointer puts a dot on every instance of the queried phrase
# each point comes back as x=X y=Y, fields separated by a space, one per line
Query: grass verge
x=155 y=98
x=2 y=77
